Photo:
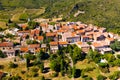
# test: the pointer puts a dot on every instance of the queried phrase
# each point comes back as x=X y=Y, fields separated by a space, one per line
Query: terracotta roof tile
x=6 y=44
x=40 y=38
x=50 y=34
x=63 y=42
x=53 y=43
x=24 y=49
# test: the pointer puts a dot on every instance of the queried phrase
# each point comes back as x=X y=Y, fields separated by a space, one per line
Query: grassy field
x=29 y=73
x=3 y=25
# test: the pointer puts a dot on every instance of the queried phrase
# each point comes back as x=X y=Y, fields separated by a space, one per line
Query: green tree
x=2 y=55
x=13 y=65
x=116 y=45
x=77 y=54
x=54 y=65
x=42 y=67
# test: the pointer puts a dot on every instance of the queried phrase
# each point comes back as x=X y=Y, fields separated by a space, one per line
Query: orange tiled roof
x=80 y=43
x=63 y=42
x=53 y=43
x=50 y=34
x=110 y=39
x=73 y=34
x=40 y=38
x=80 y=31
x=96 y=44
x=24 y=26
x=24 y=49
x=6 y=44
x=37 y=31
x=44 y=25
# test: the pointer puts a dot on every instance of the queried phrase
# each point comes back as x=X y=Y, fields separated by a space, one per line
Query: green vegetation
x=103 y=13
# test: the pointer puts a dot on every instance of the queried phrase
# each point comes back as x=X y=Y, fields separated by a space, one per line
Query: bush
x=88 y=78
x=1 y=66
x=34 y=69
x=55 y=74
x=89 y=69
x=105 y=70
x=101 y=77
x=23 y=72
x=42 y=78
x=13 y=65
x=2 y=55
x=35 y=74
x=103 y=65
x=118 y=56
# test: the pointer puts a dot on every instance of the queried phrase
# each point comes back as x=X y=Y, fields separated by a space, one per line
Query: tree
x=109 y=57
x=41 y=55
x=42 y=67
x=13 y=65
x=2 y=55
x=42 y=78
x=94 y=56
x=76 y=54
x=116 y=45
x=62 y=67
x=54 y=65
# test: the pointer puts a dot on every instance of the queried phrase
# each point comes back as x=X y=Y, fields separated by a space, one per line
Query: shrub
x=13 y=65
x=23 y=72
x=89 y=69
x=34 y=69
x=42 y=78
x=88 y=78
x=1 y=66
x=118 y=56
x=101 y=77
x=35 y=74
x=55 y=74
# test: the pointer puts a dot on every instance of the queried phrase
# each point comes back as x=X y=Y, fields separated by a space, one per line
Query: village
x=73 y=44
x=84 y=36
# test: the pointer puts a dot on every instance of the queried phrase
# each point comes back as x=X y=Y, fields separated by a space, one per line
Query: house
x=98 y=36
x=110 y=40
x=23 y=50
x=7 y=48
x=34 y=33
x=44 y=27
x=86 y=38
x=40 y=38
x=63 y=43
x=100 y=46
x=33 y=48
x=53 y=46
x=70 y=37
x=51 y=36
x=84 y=46
x=20 y=33
x=43 y=47
x=106 y=50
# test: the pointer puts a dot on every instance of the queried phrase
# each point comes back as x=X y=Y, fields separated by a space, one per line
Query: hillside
x=99 y=12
